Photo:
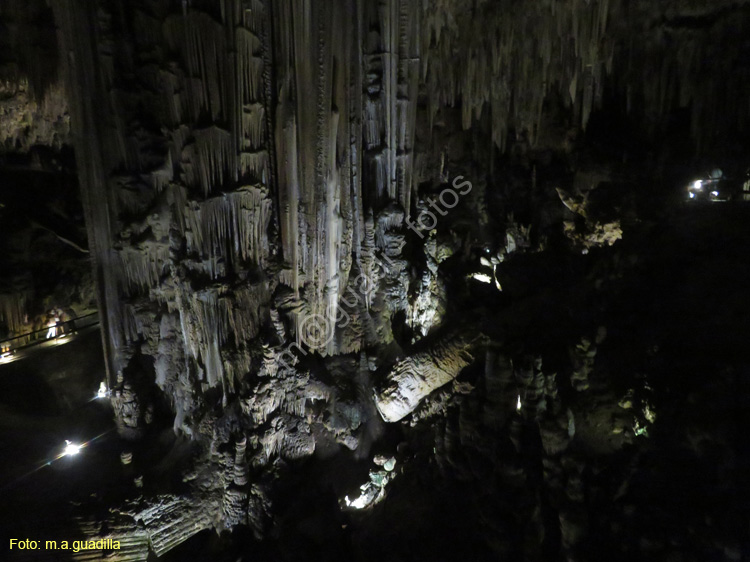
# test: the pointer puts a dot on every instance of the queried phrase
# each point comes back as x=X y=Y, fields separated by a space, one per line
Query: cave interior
x=392 y=280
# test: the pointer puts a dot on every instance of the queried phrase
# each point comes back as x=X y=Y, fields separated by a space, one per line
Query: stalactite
x=253 y=127
x=210 y=332
x=214 y=158
x=238 y=220
x=272 y=442
x=245 y=312
x=28 y=121
x=161 y=177
x=130 y=324
x=514 y=87
x=13 y=311
x=667 y=78
x=373 y=124
x=142 y=267
x=177 y=201
x=249 y=66
x=201 y=42
x=255 y=165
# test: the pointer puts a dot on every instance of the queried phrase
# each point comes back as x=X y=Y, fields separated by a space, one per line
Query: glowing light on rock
x=484 y=278
x=373 y=492
x=649 y=414
x=102 y=392
x=359 y=503
x=518 y=403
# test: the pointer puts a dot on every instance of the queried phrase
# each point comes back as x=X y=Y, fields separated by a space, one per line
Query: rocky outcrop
x=415 y=377
x=28 y=122
x=251 y=171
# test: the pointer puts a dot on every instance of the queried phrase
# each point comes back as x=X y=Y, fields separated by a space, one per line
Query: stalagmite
x=415 y=377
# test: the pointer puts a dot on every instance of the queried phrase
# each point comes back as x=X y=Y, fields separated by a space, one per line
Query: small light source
x=715 y=193
x=518 y=404
x=102 y=392
x=71 y=449
x=484 y=278
x=698 y=184
x=692 y=195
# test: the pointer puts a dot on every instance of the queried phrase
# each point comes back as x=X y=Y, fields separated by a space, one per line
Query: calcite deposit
x=250 y=174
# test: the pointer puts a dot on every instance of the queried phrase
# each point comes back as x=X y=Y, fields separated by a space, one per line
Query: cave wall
x=43 y=247
x=245 y=166
x=246 y=150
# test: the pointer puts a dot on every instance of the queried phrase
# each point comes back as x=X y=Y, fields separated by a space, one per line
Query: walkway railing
x=30 y=339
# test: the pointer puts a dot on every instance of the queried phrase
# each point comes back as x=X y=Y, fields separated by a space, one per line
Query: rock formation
x=288 y=267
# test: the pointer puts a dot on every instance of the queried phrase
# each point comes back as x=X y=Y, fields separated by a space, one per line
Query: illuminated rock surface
x=387 y=280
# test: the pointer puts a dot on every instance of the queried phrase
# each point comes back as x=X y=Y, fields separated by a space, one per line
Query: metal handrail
x=29 y=340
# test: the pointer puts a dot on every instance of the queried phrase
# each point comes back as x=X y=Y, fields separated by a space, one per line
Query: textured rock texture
x=289 y=268
x=418 y=375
